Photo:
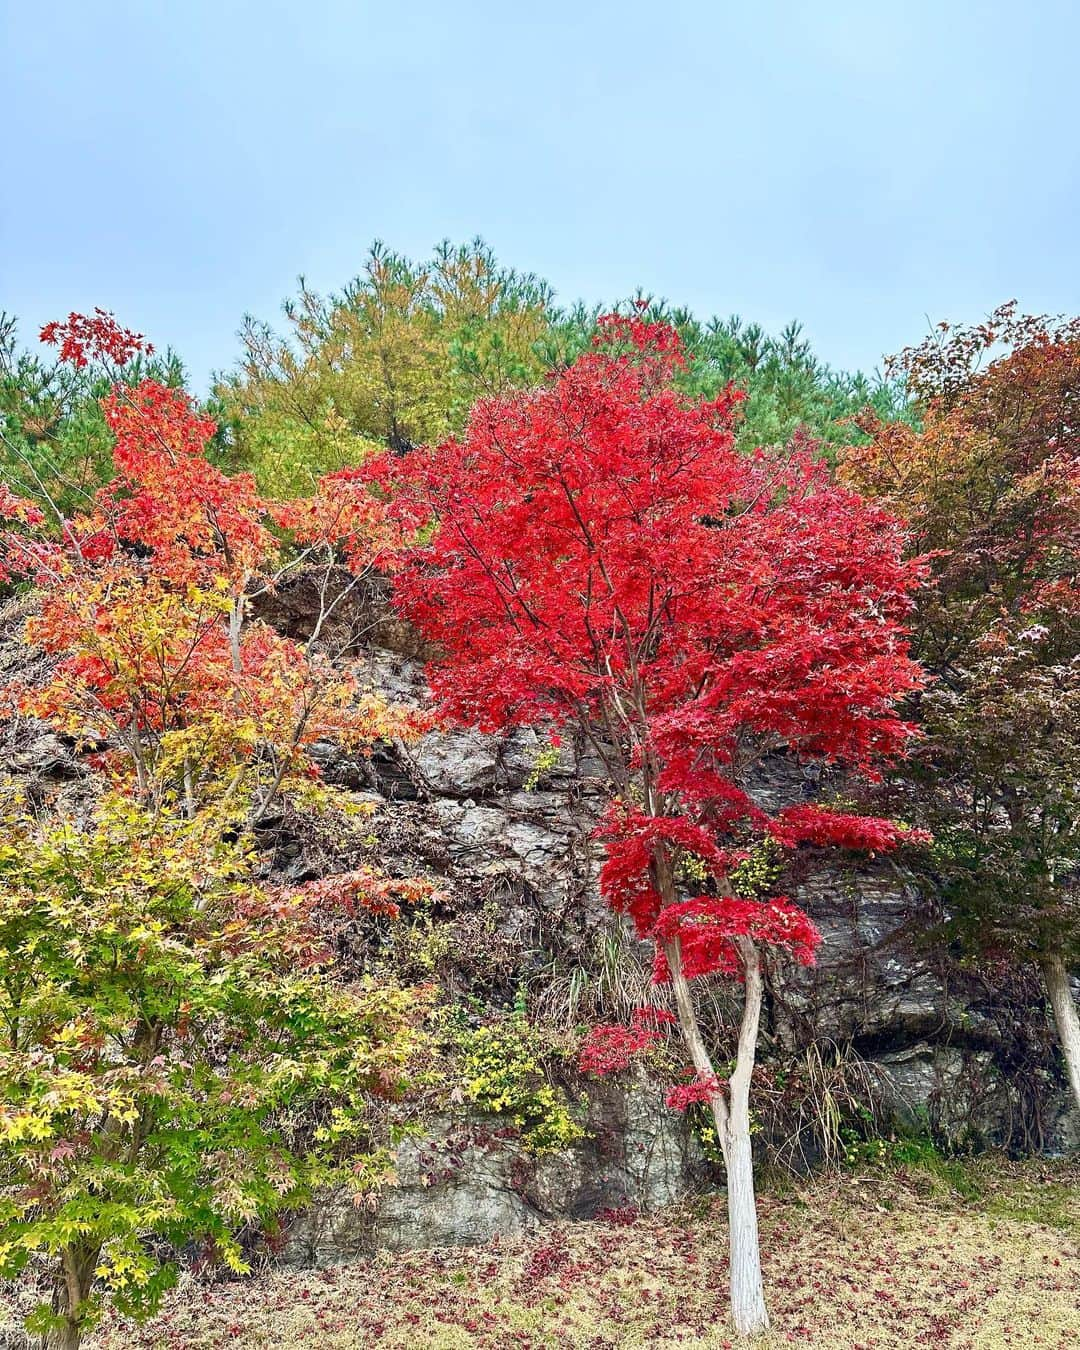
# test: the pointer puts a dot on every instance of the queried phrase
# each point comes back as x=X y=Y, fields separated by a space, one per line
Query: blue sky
x=859 y=166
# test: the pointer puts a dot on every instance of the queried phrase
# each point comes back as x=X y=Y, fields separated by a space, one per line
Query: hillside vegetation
x=501 y=739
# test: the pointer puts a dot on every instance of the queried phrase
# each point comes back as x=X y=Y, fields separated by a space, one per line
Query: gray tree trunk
x=748 y=1310
x=1065 y=1017
x=731 y=1113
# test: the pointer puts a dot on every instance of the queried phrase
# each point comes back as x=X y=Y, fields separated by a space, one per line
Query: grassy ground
x=980 y=1256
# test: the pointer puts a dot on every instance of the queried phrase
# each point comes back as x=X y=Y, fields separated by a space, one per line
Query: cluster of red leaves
x=699 y=1091
x=170 y=498
x=16 y=512
x=610 y=1048
x=619 y=1216
x=83 y=338
x=631 y=838
x=705 y=927
x=808 y=824
x=546 y=1259
x=367 y=890
x=633 y=337
x=13 y=507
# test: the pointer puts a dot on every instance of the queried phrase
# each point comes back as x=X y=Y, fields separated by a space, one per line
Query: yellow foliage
x=397 y=359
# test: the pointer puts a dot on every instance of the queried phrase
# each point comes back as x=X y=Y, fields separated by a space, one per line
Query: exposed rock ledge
x=949 y=1051
x=463 y=1184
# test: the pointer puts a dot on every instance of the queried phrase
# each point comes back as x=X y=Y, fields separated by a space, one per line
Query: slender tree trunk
x=1066 y=1018
x=75 y=1277
x=236 y=620
x=748 y=1310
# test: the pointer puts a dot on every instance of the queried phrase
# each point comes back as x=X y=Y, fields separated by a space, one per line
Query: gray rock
x=878 y=987
x=466 y=1181
x=457 y=763
x=956 y=1093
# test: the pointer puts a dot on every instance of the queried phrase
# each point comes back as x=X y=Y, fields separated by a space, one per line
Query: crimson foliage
x=602 y=554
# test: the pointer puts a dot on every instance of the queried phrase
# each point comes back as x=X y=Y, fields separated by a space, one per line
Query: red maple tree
x=145 y=597
x=601 y=556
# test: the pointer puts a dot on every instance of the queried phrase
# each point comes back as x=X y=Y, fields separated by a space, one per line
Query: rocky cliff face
x=461 y=1183
x=935 y=1045
x=970 y=1055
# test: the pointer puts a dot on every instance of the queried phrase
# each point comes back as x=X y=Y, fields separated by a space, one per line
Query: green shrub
x=504 y=1076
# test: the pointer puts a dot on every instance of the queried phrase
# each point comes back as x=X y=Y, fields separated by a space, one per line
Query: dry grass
x=985 y=1258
